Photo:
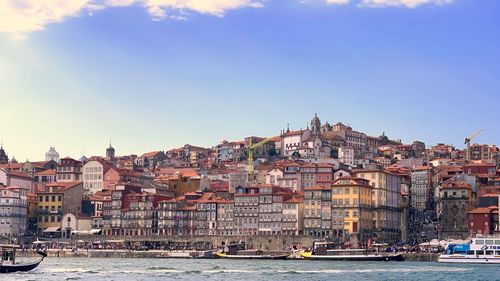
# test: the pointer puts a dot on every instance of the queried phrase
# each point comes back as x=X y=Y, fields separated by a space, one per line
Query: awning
x=95 y=231
x=115 y=241
x=52 y=229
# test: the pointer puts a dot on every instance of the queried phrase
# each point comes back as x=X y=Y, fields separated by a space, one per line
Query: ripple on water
x=143 y=269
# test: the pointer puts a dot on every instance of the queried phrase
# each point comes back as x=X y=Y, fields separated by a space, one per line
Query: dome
x=52 y=155
x=83 y=159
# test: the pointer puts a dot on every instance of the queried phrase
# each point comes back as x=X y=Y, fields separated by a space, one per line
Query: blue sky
x=156 y=74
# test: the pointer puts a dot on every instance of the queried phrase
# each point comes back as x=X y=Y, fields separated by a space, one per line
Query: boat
x=327 y=251
x=251 y=255
x=8 y=262
x=477 y=250
x=352 y=255
x=186 y=255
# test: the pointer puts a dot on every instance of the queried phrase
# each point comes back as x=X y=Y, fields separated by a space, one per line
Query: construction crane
x=468 y=140
x=251 y=148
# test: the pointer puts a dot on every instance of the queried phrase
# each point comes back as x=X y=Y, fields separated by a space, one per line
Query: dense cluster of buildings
x=324 y=181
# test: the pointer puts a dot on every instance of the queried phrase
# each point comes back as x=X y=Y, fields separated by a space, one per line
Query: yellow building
x=386 y=199
x=54 y=200
x=351 y=207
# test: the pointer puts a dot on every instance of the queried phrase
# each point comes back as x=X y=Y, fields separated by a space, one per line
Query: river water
x=167 y=269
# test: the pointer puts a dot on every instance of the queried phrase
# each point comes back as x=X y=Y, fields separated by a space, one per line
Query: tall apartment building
x=246 y=210
x=318 y=211
x=386 y=203
x=93 y=176
x=352 y=208
x=421 y=190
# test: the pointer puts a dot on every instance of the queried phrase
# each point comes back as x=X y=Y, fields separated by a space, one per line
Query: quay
x=68 y=253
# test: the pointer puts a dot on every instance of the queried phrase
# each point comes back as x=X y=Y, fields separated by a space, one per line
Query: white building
x=274 y=176
x=93 y=176
x=346 y=155
x=293 y=140
x=13 y=211
x=72 y=224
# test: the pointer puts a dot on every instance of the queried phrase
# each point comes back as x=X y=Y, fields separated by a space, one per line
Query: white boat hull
x=469 y=259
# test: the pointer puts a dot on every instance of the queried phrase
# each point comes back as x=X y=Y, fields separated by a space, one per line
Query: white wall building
x=13 y=211
x=346 y=155
x=93 y=176
x=293 y=140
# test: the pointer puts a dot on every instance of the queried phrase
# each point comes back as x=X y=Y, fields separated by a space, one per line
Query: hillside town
x=324 y=181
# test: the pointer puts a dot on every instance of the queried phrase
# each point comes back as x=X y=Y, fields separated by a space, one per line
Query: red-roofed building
x=293 y=216
x=69 y=170
x=150 y=160
x=16 y=178
x=456 y=200
x=115 y=176
x=139 y=214
x=225 y=217
x=44 y=177
x=318 y=211
x=483 y=221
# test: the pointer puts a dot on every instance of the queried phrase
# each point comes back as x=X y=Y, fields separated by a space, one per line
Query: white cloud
x=337 y=2
x=402 y=3
x=20 y=17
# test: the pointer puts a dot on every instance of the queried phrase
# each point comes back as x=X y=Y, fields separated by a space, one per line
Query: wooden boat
x=8 y=262
x=186 y=255
x=352 y=255
x=253 y=255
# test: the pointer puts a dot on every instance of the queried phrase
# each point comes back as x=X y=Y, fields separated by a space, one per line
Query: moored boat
x=352 y=255
x=9 y=264
x=477 y=250
x=323 y=250
x=187 y=255
x=251 y=257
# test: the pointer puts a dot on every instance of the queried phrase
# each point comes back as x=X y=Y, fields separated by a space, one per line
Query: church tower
x=110 y=152
x=4 y=159
x=316 y=126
